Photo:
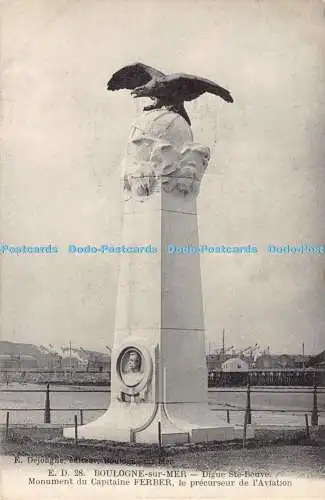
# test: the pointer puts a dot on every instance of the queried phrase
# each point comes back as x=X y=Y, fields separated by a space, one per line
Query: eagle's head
x=115 y=83
x=144 y=90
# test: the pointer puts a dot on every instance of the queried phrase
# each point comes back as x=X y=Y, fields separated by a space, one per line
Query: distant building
x=8 y=362
x=70 y=362
x=286 y=361
x=267 y=362
x=317 y=361
x=20 y=362
x=100 y=363
x=213 y=362
x=235 y=365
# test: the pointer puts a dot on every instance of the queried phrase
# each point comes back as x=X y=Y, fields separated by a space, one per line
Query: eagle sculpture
x=169 y=91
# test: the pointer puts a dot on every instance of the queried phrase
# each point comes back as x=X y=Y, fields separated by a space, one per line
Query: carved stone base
x=150 y=423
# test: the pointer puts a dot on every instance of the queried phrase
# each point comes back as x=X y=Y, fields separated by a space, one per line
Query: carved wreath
x=180 y=171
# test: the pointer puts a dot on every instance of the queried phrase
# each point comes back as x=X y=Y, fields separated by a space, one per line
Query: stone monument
x=159 y=379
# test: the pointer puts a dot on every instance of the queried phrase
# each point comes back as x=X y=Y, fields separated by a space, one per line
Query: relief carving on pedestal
x=134 y=370
x=140 y=179
x=179 y=170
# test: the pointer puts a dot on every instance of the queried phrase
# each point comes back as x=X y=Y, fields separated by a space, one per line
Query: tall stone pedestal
x=159 y=375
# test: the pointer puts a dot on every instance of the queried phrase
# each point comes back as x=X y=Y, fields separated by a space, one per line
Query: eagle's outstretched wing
x=133 y=76
x=190 y=87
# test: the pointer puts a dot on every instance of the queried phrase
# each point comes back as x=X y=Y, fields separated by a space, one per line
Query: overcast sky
x=64 y=138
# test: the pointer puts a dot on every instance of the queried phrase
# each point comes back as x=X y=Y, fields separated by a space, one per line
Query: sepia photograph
x=162 y=249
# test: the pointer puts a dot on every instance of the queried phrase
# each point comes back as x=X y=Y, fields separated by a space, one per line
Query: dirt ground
x=301 y=460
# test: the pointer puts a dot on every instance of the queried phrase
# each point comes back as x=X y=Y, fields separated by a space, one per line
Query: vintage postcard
x=162 y=249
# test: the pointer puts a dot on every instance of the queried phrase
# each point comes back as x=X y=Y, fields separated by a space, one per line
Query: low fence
x=313 y=411
x=311 y=414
